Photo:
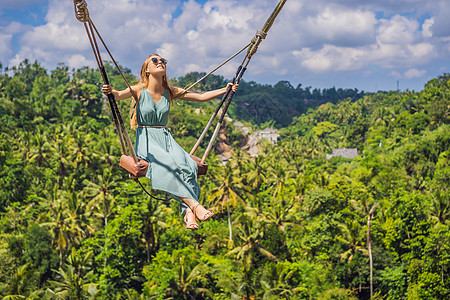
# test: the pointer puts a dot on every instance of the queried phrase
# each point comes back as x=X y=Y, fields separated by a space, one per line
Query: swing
x=130 y=162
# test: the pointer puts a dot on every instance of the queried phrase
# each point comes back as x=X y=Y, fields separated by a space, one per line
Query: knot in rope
x=81 y=11
x=260 y=35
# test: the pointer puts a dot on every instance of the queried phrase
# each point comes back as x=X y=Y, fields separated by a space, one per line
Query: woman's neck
x=155 y=84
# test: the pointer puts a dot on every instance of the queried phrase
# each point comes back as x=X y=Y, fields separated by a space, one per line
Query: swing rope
x=82 y=15
x=217 y=68
x=228 y=96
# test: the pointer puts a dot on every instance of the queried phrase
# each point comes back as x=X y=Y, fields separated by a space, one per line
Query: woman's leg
x=199 y=211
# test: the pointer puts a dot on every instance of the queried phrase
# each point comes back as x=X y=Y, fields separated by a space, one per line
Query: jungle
x=288 y=223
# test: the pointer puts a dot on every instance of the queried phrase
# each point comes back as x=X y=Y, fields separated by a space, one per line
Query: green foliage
x=288 y=224
x=180 y=275
x=124 y=252
x=212 y=82
x=16 y=89
x=38 y=251
x=282 y=102
x=324 y=128
x=73 y=279
x=437 y=91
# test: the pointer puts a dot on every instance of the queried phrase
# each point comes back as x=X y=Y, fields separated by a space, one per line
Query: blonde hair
x=143 y=80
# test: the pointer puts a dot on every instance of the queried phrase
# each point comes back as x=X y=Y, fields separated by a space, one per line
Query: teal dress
x=171 y=168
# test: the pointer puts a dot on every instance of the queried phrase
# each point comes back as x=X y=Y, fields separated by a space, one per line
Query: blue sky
x=368 y=45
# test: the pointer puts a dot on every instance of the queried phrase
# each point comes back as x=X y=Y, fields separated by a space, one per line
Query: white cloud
x=54 y=36
x=205 y=36
x=427 y=28
x=5 y=47
x=323 y=36
x=16 y=60
x=16 y=28
x=414 y=73
x=398 y=43
x=446 y=47
x=398 y=30
x=63 y=37
x=331 y=58
x=6 y=37
x=344 y=27
x=78 y=61
x=395 y=74
x=54 y=40
x=193 y=35
x=421 y=49
x=441 y=26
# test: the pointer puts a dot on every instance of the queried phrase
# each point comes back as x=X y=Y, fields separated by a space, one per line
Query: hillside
x=289 y=224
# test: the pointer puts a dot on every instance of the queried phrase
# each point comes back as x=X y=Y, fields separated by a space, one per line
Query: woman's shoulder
x=136 y=90
x=177 y=92
x=137 y=87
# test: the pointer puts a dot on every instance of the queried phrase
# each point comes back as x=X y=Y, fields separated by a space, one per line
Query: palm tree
x=228 y=283
x=227 y=192
x=20 y=282
x=276 y=284
x=351 y=238
x=250 y=232
x=82 y=264
x=40 y=148
x=72 y=283
x=103 y=202
x=311 y=145
x=369 y=245
x=383 y=116
x=278 y=174
x=82 y=148
x=440 y=209
x=294 y=154
x=17 y=218
x=24 y=146
x=256 y=178
x=185 y=281
x=366 y=208
x=60 y=148
x=108 y=148
x=58 y=216
x=280 y=211
x=79 y=215
x=153 y=224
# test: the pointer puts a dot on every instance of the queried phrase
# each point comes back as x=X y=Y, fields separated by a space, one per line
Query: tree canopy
x=289 y=223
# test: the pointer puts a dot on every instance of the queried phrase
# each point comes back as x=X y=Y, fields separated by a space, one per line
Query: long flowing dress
x=171 y=168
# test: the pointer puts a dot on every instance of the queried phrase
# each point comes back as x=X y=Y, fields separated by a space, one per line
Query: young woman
x=171 y=168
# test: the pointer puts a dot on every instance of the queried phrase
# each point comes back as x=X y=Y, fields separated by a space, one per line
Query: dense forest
x=279 y=104
x=289 y=223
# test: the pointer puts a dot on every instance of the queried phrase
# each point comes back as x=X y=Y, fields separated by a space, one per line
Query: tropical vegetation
x=289 y=223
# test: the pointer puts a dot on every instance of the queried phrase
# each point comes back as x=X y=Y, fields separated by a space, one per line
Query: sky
x=369 y=45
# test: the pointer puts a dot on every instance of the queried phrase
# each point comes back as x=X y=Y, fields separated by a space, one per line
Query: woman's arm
x=206 y=96
x=121 y=95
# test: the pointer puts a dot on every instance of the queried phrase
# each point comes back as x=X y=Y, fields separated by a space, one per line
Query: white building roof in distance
x=346 y=153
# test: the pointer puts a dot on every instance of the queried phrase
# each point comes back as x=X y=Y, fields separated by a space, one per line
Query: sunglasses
x=155 y=60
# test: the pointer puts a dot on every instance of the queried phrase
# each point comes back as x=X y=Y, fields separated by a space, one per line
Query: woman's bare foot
x=189 y=219
x=202 y=213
